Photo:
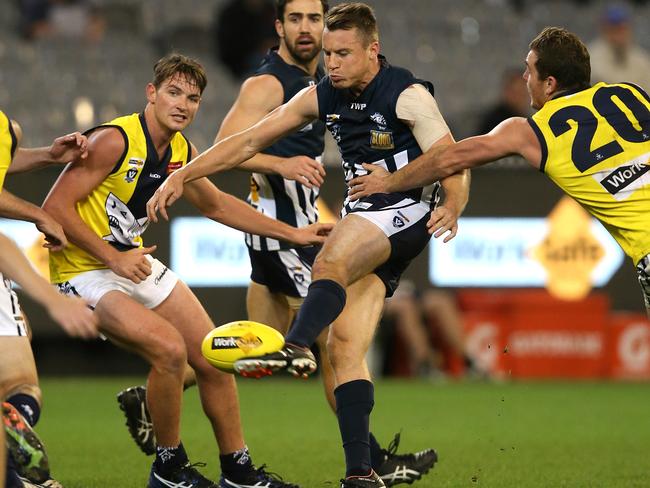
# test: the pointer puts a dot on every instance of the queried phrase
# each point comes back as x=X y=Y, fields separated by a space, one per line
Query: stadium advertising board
x=206 y=253
x=30 y=241
x=568 y=253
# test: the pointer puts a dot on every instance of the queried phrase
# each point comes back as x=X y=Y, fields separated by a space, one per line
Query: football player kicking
x=141 y=305
x=25 y=464
x=600 y=159
x=380 y=114
x=284 y=184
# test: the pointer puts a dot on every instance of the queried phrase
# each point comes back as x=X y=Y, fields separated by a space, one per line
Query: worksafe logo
x=623 y=176
x=570 y=252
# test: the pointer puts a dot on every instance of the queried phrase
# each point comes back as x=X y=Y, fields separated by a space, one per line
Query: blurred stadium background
x=541 y=290
x=68 y=65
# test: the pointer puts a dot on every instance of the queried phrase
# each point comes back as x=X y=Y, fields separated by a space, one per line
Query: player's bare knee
x=170 y=357
x=326 y=267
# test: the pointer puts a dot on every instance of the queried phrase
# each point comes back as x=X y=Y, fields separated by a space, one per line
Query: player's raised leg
x=354 y=249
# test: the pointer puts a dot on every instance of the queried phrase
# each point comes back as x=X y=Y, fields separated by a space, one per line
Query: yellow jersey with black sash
x=8 y=144
x=596 y=147
x=116 y=209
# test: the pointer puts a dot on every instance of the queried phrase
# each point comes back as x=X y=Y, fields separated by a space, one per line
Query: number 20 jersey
x=596 y=147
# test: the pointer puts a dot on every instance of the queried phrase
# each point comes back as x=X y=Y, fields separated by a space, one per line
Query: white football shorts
x=93 y=285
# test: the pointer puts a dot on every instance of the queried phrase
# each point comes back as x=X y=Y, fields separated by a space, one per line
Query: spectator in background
x=77 y=19
x=244 y=32
x=513 y=102
x=615 y=57
x=430 y=325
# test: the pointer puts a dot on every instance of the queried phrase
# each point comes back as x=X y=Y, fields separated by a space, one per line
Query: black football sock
x=169 y=459
x=237 y=466
x=354 y=402
x=324 y=302
x=376 y=455
x=27 y=406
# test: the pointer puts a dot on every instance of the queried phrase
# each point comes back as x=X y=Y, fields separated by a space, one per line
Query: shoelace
x=392 y=449
x=192 y=467
x=261 y=471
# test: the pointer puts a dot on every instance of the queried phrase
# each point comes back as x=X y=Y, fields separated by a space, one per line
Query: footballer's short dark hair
x=562 y=55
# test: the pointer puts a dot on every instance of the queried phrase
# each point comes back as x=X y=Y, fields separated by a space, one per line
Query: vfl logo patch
x=130 y=175
x=332 y=117
x=403 y=216
x=623 y=176
x=398 y=222
x=381 y=140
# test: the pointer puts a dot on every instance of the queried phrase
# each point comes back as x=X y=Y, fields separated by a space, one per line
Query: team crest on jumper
x=379 y=119
x=398 y=222
x=130 y=175
x=380 y=139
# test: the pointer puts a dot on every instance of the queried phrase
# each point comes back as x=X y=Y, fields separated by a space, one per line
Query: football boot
x=404 y=468
x=257 y=478
x=297 y=360
x=24 y=446
x=185 y=476
x=133 y=402
x=371 y=481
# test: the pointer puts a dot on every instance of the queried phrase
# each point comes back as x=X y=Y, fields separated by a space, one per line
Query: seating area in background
x=462 y=46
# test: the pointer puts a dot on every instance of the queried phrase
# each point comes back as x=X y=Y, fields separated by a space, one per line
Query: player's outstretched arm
x=16 y=208
x=444 y=219
x=63 y=150
x=513 y=136
x=259 y=96
x=72 y=315
x=235 y=213
x=236 y=149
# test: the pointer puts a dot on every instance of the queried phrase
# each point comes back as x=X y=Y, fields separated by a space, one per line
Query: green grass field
x=508 y=435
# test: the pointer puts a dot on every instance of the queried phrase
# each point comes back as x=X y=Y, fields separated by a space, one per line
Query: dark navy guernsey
x=366 y=127
x=285 y=200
